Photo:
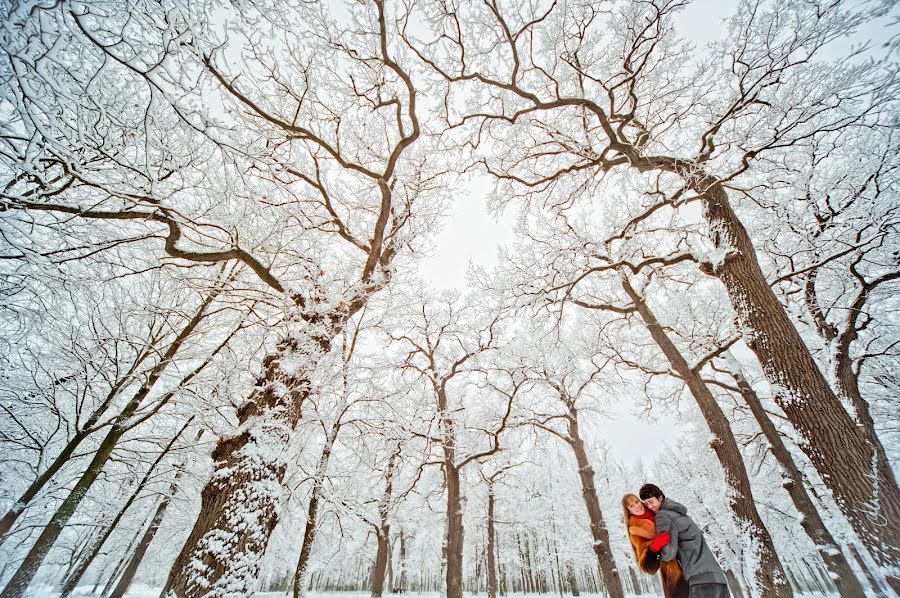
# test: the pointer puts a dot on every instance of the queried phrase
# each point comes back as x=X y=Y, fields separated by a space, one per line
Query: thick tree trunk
x=600 y=535
x=851 y=462
x=455 y=533
x=379 y=568
x=141 y=550
x=769 y=575
x=491 y=541
x=829 y=551
x=72 y=580
x=238 y=506
x=309 y=532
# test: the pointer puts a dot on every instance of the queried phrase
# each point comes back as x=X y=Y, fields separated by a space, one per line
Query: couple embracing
x=665 y=539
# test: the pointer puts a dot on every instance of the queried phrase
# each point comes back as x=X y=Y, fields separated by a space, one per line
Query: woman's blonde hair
x=625 y=501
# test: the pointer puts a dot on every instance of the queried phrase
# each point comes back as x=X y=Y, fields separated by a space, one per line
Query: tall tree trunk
x=635 y=584
x=239 y=504
x=390 y=568
x=18 y=584
x=829 y=551
x=309 y=532
x=733 y=584
x=80 y=554
x=141 y=550
x=401 y=566
x=454 y=533
x=852 y=464
x=874 y=583
x=72 y=580
x=117 y=570
x=383 y=531
x=528 y=567
x=570 y=576
x=379 y=568
x=491 y=563
x=769 y=575
x=602 y=549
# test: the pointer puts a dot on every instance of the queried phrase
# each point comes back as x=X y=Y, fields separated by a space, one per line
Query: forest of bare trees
x=226 y=371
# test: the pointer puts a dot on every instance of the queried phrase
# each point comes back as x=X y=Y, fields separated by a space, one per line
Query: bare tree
x=443 y=350
x=769 y=575
x=810 y=520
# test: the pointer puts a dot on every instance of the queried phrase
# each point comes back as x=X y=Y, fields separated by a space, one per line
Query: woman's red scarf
x=647 y=514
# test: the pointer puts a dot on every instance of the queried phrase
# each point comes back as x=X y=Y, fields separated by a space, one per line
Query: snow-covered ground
x=142 y=591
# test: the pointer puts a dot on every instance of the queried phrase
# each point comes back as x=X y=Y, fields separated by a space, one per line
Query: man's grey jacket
x=698 y=564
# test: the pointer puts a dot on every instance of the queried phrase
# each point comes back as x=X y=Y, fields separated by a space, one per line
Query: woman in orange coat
x=639 y=521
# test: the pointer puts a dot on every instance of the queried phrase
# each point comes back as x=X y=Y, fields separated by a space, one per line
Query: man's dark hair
x=648 y=490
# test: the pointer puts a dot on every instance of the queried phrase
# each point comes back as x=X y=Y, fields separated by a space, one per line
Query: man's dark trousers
x=708 y=590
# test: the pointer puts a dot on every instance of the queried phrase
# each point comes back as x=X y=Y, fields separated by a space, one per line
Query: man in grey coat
x=698 y=565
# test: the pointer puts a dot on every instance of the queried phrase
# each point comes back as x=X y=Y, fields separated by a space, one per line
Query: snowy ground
x=142 y=591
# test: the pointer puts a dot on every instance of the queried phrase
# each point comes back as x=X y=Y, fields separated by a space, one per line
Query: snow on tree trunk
x=18 y=584
x=383 y=531
x=852 y=464
x=600 y=535
x=842 y=573
x=75 y=576
x=309 y=531
x=769 y=574
x=239 y=505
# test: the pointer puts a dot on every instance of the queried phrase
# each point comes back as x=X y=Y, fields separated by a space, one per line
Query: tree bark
x=573 y=583
x=874 y=584
x=141 y=550
x=379 y=568
x=238 y=506
x=491 y=541
x=602 y=549
x=309 y=531
x=733 y=584
x=383 y=530
x=852 y=464
x=455 y=532
x=117 y=570
x=401 y=566
x=769 y=575
x=829 y=551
